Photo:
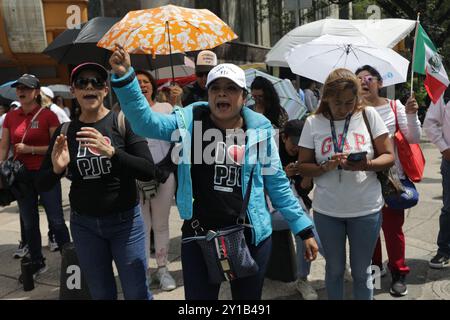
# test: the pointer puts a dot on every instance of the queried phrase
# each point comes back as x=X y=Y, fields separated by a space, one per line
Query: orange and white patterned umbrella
x=166 y=30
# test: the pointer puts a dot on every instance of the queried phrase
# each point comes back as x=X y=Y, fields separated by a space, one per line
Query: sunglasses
x=201 y=74
x=82 y=83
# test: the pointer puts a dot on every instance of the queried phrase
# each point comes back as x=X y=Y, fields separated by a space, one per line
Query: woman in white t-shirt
x=393 y=219
x=156 y=210
x=347 y=199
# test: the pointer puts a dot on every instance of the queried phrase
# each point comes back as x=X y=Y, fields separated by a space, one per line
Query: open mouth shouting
x=223 y=106
x=90 y=97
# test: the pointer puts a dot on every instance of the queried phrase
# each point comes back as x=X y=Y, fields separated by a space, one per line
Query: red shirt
x=38 y=135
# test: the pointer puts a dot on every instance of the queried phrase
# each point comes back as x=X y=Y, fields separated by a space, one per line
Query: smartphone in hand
x=357 y=156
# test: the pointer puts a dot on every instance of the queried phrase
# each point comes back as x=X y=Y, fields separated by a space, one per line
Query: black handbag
x=391 y=186
x=15 y=181
x=225 y=251
x=148 y=189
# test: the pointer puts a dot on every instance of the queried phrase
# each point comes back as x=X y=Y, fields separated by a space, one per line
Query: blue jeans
x=119 y=238
x=443 y=240
x=304 y=266
x=362 y=233
x=29 y=213
x=195 y=273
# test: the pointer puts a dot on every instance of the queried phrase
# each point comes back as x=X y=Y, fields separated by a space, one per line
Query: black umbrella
x=75 y=46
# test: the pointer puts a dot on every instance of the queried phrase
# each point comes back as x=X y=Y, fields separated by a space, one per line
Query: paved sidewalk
x=421 y=229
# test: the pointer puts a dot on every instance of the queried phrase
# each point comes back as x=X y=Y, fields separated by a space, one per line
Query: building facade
x=27 y=27
x=258 y=23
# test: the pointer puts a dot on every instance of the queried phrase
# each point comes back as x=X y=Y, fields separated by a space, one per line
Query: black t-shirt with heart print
x=216 y=174
x=102 y=186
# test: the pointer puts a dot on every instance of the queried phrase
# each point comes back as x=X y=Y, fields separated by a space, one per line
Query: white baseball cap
x=229 y=71
x=48 y=92
x=15 y=104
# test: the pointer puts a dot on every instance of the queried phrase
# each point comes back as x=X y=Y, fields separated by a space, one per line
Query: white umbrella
x=383 y=32
x=61 y=90
x=7 y=92
x=289 y=98
x=185 y=70
x=316 y=59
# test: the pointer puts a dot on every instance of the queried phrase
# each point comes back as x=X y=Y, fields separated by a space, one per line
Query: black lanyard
x=339 y=147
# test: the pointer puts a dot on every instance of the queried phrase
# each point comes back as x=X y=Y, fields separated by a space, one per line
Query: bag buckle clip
x=210 y=235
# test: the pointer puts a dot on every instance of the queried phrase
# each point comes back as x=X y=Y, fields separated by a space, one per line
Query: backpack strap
x=64 y=129
x=121 y=123
x=366 y=121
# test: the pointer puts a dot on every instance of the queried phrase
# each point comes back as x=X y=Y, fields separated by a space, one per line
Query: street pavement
x=421 y=229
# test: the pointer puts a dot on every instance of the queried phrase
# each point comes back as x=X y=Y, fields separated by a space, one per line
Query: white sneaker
x=52 y=244
x=21 y=251
x=166 y=281
x=306 y=290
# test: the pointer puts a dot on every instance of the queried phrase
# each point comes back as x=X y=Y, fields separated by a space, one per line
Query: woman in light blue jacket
x=220 y=144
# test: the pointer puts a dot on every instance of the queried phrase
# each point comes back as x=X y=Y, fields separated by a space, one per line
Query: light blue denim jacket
x=268 y=175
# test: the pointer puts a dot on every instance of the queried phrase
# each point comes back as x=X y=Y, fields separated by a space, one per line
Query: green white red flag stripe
x=427 y=61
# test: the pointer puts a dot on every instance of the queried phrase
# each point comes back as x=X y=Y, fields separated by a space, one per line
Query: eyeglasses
x=368 y=79
x=82 y=83
x=201 y=74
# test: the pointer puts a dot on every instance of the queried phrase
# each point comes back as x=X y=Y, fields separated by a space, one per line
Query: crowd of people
x=202 y=146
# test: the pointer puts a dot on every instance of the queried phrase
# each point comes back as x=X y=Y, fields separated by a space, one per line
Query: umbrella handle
x=170 y=50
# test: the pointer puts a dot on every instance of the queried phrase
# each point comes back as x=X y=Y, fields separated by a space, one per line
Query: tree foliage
x=434 y=17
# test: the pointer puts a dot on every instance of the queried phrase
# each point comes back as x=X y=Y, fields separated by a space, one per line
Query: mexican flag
x=428 y=62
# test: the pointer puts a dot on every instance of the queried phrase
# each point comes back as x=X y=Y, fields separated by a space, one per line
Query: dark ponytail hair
x=39 y=100
x=272 y=106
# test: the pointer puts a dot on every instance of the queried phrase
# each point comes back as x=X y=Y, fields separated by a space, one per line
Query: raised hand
x=91 y=138
x=60 y=154
x=175 y=94
x=411 y=105
x=120 y=61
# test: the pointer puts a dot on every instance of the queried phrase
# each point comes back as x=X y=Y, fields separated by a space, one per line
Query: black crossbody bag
x=225 y=251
